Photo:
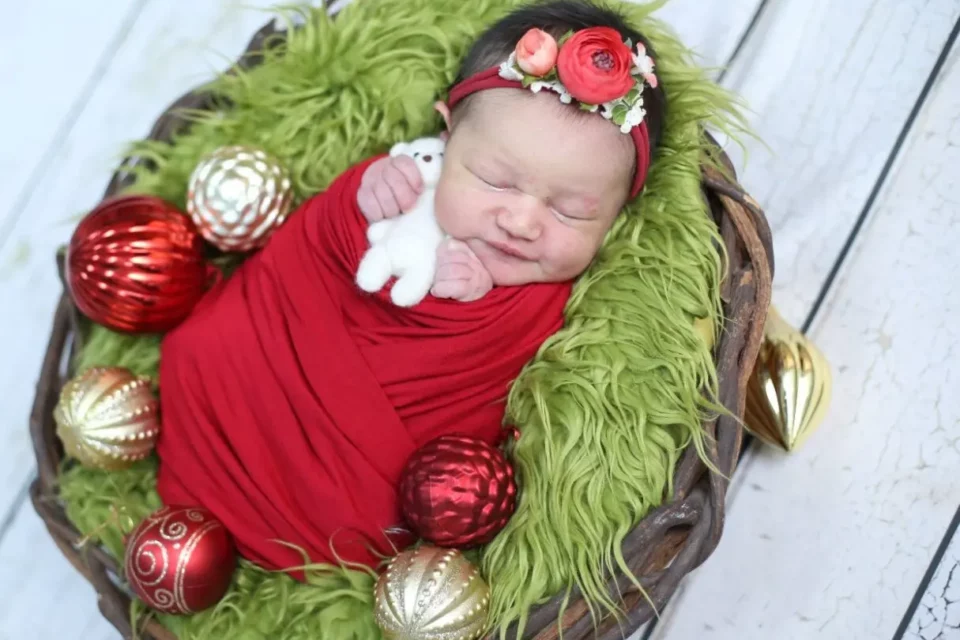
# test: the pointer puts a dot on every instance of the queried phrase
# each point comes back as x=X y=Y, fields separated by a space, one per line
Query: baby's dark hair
x=557 y=17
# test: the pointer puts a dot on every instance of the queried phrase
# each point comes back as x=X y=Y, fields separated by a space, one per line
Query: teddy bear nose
x=427 y=158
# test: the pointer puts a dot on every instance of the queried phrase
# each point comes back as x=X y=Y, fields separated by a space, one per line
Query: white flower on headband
x=552 y=85
x=593 y=66
x=509 y=69
x=633 y=117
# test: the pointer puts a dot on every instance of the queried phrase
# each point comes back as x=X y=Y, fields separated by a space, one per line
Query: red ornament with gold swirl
x=180 y=560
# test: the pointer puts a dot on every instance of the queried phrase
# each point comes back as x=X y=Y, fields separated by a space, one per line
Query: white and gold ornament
x=107 y=418
x=430 y=593
x=237 y=196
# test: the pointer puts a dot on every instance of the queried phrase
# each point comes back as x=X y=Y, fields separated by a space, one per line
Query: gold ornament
x=107 y=418
x=431 y=593
x=789 y=389
x=237 y=196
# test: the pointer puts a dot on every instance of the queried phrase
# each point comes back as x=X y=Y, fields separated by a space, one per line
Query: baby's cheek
x=444 y=208
x=571 y=254
x=455 y=210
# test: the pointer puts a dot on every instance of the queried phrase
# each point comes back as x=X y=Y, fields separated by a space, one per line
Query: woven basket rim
x=665 y=546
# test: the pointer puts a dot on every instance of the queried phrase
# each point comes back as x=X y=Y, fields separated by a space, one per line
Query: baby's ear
x=399 y=148
x=444 y=112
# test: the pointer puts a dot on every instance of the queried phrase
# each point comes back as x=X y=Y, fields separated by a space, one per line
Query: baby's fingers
x=453 y=271
x=407 y=166
x=404 y=194
x=385 y=198
x=368 y=204
x=455 y=289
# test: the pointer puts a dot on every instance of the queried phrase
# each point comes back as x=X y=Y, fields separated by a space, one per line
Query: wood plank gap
x=744 y=37
x=15 y=506
x=928 y=576
x=20 y=204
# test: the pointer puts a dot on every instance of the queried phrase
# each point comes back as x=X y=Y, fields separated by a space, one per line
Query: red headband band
x=491 y=79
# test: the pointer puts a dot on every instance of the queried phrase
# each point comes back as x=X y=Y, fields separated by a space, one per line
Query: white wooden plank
x=833 y=540
x=938 y=615
x=711 y=28
x=830 y=85
x=46 y=70
x=35 y=600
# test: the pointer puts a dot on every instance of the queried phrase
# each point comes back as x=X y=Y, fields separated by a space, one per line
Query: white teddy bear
x=406 y=245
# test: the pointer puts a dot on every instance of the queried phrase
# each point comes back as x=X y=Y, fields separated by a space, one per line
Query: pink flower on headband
x=536 y=52
x=644 y=65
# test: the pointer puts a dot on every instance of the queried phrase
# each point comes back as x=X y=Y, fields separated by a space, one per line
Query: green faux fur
x=606 y=407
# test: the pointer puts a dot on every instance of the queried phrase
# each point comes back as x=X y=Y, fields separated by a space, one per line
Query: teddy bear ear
x=399 y=148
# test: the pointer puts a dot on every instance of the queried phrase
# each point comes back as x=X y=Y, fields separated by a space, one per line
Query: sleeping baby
x=293 y=398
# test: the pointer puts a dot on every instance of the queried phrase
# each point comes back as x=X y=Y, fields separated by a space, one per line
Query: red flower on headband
x=594 y=65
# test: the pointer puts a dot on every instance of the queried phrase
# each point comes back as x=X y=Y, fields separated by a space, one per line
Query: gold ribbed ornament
x=237 y=196
x=107 y=418
x=430 y=593
x=789 y=389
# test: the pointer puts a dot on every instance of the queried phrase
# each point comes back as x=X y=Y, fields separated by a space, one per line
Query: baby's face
x=531 y=188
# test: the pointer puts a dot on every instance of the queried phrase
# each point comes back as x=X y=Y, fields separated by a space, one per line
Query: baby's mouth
x=507 y=250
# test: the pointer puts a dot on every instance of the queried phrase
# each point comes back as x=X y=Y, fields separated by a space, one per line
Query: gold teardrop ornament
x=107 y=418
x=431 y=593
x=789 y=390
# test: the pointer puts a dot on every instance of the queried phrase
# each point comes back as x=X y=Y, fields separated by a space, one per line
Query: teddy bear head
x=427 y=153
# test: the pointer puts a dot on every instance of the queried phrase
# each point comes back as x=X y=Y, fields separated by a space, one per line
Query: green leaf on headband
x=619 y=113
x=564 y=38
x=632 y=95
x=527 y=80
x=587 y=107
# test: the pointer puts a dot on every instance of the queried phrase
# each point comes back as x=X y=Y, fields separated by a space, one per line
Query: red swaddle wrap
x=291 y=399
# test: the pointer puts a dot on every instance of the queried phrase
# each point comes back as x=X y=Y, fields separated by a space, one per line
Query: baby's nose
x=427 y=158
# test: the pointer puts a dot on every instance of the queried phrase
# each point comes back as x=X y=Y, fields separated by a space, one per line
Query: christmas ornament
x=430 y=593
x=237 y=196
x=789 y=389
x=135 y=263
x=107 y=418
x=457 y=491
x=180 y=560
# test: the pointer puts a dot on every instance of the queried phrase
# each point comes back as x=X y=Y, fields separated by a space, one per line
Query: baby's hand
x=460 y=274
x=389 y=185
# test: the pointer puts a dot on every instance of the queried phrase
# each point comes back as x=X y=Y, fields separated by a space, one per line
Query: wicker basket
x=663 y=548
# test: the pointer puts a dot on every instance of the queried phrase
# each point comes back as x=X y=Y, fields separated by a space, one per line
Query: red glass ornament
x=180 y=560
x=135 y=263
x=457 y=491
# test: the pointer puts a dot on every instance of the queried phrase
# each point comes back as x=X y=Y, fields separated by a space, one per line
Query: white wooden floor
x=852 y=537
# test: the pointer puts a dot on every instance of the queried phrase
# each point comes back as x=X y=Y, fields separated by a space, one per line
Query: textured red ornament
x=135 y=263
x=180 y=560
x=457 y=491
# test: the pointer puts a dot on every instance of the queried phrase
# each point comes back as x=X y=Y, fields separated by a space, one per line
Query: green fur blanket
x=606 y=407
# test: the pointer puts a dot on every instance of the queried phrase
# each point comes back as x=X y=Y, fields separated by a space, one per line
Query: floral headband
x=593 y=66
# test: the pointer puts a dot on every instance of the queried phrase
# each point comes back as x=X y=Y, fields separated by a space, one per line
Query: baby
x=293 y=399
x=531 y=185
